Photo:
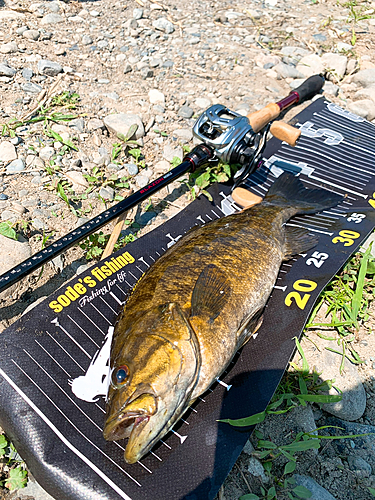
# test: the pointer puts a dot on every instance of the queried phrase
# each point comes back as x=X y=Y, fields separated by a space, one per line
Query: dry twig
x=43 y=97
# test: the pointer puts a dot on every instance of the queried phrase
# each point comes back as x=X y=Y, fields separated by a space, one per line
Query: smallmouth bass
x=195 y=307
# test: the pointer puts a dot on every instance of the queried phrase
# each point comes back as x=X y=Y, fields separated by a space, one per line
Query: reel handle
x=245 y=198
x=285 y=132
x=280 y=130
x=310 y=87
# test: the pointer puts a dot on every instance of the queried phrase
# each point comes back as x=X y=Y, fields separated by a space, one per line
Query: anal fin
x=298 y=240
x=250 y=326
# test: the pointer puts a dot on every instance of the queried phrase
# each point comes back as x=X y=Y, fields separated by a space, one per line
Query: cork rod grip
x=259 y=119
x=285 y=132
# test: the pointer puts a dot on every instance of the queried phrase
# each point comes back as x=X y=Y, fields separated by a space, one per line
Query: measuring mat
x=55 y=359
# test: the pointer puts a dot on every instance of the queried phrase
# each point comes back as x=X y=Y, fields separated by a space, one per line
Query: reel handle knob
x=285 y=132
x=245 y=198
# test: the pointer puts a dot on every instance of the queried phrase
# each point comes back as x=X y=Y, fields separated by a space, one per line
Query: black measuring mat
x=54 y=360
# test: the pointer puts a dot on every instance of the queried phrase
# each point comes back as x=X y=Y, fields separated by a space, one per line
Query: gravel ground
x=159 y=64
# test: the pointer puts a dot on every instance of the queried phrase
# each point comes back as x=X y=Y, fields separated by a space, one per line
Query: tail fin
x=288 y=191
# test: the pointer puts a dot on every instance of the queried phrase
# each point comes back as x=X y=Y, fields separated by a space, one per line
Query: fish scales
x=195 y=307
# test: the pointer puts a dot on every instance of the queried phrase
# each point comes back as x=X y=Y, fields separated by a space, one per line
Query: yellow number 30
x=346 y=237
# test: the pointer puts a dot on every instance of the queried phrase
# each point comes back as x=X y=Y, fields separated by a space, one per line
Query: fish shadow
x=249 y=394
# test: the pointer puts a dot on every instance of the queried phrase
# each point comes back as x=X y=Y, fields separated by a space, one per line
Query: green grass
x=51 y=113
x=347 y=298
x=13 y=473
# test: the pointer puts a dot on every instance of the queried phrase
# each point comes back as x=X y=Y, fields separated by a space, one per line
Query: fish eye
x=120 y=375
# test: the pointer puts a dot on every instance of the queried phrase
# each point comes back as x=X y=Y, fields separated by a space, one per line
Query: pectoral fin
x=211 y=293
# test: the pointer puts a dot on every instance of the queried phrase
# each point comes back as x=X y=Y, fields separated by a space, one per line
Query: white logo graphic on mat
x=345 y=113
x=228 y=205
x=94 y=383
x=279 y=165
x=332 y=137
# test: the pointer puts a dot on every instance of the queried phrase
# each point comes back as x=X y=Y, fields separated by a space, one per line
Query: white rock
x=170 y=152
x=248 y=448
x=10 y=14
x=52 y=18
x=76 y=19
x=364 y=108
x=9 y=48
x=78 y=180
x=318 y=492
x=351 y=66
x=7 y=151
x=184 y=134
x=367 y=93
x=310 y=65
x=31 y=35
x=15 y=166
x=255 y=468
x=34 y=162
x=365 y=77
x=336 y=63
x=330 y=88
x=367 y=65
x=161 y=167
x=7 y=71
x=63 y=131
x=46 y=152
x=50 y=68
x=156 y=97
x=120 y=123
x=344 y=46
x=287 y=71
x=163 y=24
x=12 y=253
x=272 y=74
x=203 y=102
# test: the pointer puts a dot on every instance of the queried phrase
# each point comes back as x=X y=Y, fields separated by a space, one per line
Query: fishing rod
x=225 y=136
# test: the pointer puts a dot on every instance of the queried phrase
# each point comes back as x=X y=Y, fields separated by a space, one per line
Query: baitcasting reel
x=242 y=139
x=225 y=135
x=232 y=138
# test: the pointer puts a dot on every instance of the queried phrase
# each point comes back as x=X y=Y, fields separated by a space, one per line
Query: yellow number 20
x=300 y=299
x=347 y=237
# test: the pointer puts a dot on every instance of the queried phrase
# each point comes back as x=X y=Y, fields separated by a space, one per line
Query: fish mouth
x=123 y=425
x=129 y=422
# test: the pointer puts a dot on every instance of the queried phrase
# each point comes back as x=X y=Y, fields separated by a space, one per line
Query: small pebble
x=185 y=112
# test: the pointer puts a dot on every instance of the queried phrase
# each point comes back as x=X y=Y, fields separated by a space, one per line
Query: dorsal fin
x=211 y=292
